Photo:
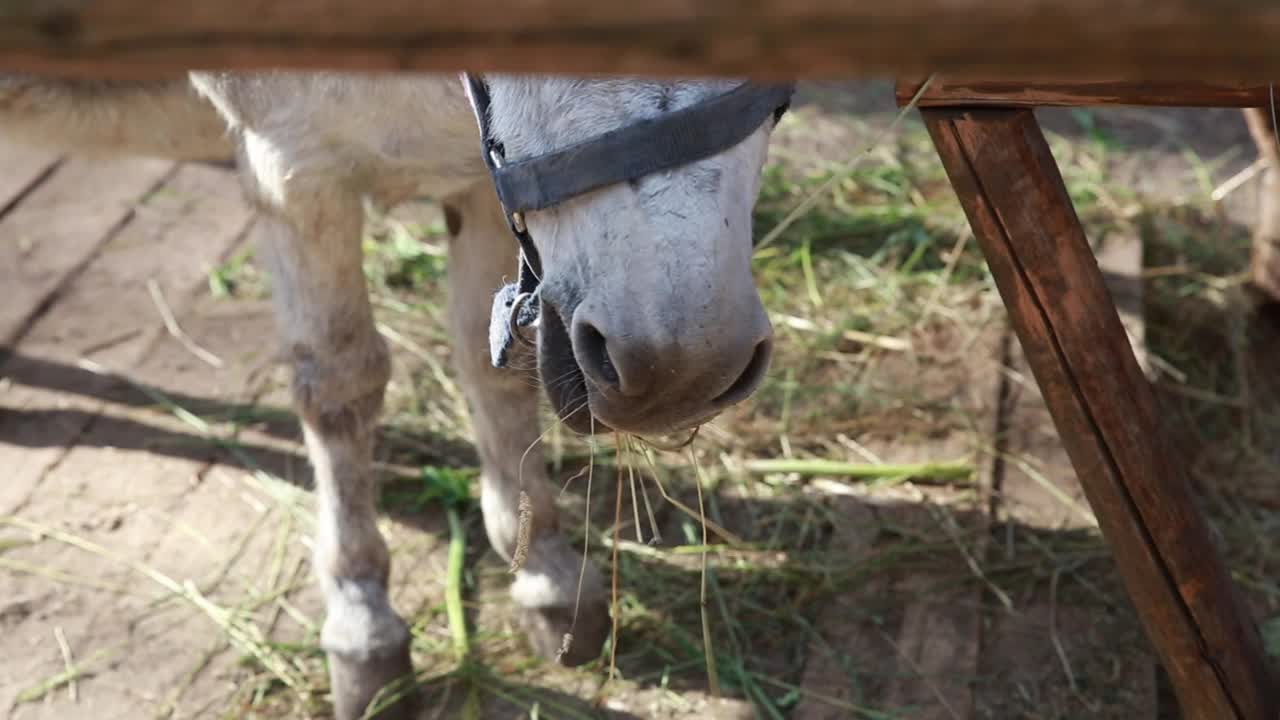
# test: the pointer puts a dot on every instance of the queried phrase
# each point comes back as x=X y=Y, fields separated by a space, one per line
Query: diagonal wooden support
x=1104 y=410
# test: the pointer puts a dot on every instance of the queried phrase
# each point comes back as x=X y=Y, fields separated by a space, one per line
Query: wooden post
x=1104 y=410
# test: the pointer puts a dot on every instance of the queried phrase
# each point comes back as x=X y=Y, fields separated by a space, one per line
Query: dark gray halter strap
x=642 y=148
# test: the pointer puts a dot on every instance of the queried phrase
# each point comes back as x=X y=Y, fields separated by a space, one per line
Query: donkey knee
x=339 y=388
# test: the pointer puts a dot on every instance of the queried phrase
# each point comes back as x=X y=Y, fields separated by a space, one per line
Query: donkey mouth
x=562 y=377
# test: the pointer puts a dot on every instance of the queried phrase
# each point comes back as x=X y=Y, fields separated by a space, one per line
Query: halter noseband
x=628 y=153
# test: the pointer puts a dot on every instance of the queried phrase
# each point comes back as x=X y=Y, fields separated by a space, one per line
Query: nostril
x=594 y=354
x=750 y=377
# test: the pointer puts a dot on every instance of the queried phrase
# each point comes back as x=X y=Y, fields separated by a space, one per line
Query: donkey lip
x=650 y=421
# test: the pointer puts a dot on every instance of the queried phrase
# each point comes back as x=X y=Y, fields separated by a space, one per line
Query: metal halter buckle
x=513 y=319
x=517 y=218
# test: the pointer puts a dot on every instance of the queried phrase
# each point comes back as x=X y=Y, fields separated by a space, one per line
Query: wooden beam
x=1067 y=39
x=1104 y=410
x=954 y=92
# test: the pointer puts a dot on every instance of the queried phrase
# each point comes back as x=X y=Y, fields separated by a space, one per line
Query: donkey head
x=650 y=319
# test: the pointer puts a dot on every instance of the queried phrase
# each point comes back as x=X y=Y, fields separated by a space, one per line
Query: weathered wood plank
x=938 y=641
x=1053 y=654
x=174 y=238
x=146 y=486
x=1012 y=192
x=58 y=227
x=941 y=632
x=1063 y=38
x=69 y=465
x=1120 y=260
x=24 y=167
x=1030 y=91
x=908 y=641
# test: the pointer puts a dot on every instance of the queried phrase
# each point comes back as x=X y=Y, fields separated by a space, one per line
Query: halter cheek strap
x=642 y=148
x=515 y=305
x=495 y=159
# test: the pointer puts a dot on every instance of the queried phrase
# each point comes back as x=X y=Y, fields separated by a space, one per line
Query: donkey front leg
x=340 y=369
x=504 y=409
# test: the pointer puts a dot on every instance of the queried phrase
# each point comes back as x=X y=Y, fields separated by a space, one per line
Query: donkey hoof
x=547 y=628
x=357 y=683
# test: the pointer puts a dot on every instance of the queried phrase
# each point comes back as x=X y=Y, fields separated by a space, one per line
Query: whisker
x=564 y=381
x=575 y=476
x=525 y=455
x=568 y=372
x=561 y=378
x=562 y=418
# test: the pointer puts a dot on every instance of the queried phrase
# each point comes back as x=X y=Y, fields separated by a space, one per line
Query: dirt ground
x=154 y=506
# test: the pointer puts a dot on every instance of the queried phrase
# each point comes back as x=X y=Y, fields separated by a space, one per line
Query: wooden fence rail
x=1066 y=39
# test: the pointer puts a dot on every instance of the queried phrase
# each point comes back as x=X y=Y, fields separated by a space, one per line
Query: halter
x=642 y=148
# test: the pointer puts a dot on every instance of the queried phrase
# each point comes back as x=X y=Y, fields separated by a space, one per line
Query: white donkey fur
x=661 y=266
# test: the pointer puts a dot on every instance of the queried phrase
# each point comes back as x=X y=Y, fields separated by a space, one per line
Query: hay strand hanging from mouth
x=708 y=648
x=567 y=641
x=617 y=528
